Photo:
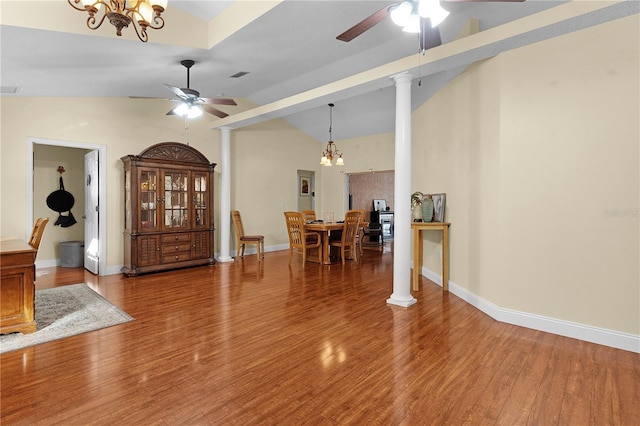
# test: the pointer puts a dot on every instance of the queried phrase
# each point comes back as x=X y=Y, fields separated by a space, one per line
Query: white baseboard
x=117 y=269
x=601 y=336
x=49 y=263
x=251 y=249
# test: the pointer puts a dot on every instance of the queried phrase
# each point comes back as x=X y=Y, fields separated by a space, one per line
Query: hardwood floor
x=243 y=344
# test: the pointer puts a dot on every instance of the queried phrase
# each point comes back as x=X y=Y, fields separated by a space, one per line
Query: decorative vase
x=416 y=213
x=427 y=209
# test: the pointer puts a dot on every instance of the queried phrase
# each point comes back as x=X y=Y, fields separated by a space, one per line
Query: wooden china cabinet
x=168 y=209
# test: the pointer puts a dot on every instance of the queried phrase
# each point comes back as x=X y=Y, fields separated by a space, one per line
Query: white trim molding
x=102 y=191
x=588 y=333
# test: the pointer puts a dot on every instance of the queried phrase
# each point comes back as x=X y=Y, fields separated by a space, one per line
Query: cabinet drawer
x=176 y=257
x=175 y=248
x=174 y=238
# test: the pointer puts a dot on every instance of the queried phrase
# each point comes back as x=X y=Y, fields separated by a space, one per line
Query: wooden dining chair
x=309 y=215
x=360 y=233
x=348 y=241
x=242 y=240
x=299 y=240
x=37 y=232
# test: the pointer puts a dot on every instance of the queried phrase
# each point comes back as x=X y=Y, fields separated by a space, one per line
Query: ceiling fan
x=416 y=16
x=191 y=105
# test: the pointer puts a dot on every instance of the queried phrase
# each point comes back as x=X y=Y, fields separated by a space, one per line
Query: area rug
x=63 y=312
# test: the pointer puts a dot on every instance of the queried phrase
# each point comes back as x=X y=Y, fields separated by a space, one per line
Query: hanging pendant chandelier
x=142 y=14
x=331 y=151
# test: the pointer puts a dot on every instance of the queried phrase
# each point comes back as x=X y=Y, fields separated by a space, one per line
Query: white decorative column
x=225 y=195
x=401 y=295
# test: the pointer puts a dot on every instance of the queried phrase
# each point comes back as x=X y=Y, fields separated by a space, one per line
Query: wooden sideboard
x=17 y=288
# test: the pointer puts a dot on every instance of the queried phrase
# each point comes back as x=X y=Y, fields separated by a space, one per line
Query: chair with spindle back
x=37 y=232
x=309 y=215
x=348 y=241
x=299 y=239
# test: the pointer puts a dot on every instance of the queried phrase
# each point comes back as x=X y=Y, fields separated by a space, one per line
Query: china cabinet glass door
x=176 y=201
x=200 y=205
x=148 y=199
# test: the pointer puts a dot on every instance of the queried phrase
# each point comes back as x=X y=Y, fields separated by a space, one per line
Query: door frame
x=91 y=216
x=102 y=190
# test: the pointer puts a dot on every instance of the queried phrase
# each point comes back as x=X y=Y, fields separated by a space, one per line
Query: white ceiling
x=289 y=50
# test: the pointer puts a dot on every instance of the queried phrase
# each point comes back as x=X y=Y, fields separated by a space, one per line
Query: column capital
x=402 y=77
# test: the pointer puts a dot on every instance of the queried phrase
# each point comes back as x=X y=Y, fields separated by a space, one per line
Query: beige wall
x=538 y=152
x=264 y=181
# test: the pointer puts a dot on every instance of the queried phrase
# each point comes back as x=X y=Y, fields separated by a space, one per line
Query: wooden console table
x=417 y=228
x=17 y=288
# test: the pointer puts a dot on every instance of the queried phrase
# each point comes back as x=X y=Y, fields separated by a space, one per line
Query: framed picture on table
x=439 y=202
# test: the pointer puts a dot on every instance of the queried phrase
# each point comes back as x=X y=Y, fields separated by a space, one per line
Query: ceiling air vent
x=239 y=74
x=8 y=89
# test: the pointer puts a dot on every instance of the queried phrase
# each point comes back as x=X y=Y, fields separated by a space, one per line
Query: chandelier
x=332 y=150
x=142 y=14
x=408 y=13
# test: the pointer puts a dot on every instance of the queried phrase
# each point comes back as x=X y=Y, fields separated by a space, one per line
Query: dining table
x=325 y=229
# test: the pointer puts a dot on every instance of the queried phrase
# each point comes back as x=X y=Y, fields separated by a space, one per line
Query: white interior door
x=91 y=216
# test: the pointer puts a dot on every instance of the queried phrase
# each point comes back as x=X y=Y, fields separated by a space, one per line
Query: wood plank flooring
x=248 y=344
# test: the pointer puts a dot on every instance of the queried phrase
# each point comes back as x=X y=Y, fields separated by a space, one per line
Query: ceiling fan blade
x=219 y=101
x=364 y=25
x=214 y=111
x=145 y=97
x=177 y=91
x=429 y=36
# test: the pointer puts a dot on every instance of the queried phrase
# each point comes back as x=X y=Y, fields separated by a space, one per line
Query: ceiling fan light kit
x=142 y=14
x=189 y=111
x=431 y=9
x=408 y=13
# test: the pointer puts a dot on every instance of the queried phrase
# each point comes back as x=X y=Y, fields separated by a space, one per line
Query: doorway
x=364 y=187
x=98 y=241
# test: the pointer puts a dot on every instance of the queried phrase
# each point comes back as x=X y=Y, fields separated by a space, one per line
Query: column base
x=404 y=302
x=225 y=259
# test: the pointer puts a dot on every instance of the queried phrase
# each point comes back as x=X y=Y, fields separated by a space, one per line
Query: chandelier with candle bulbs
x=142 y=14
x=331 y=150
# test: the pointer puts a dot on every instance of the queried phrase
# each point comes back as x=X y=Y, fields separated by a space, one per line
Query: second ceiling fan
x=415 y=16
